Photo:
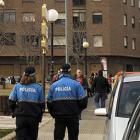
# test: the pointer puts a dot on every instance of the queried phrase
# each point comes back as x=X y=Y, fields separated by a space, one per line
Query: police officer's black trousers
x=26 y=128
x=72 y=125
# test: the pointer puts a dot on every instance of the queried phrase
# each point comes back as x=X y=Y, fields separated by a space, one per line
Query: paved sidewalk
x=7 y=122
x=91 y=126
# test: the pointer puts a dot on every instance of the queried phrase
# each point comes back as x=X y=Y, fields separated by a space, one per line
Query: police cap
x=30 y=71
x=65 y=68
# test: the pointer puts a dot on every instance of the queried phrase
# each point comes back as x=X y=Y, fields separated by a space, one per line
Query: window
x=97 y=17
x=128 y=97
x=28 y=17
x=97 y=41
x=7 y=15
x=132 y=3
x=58 y=41
x=133 y=43
x=7 y=39
x=125 y=1
x=30 y=41
x=125 y=42
x=139 y=4
x=96 y=0
x=61 y=18
x=79 y=2
x=133 y=22
x=125 y=19
x=1 y=39
x=79 y=18
x=112 y=100
x=78 y=39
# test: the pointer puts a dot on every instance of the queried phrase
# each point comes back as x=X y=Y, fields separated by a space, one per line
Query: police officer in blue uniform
x=66 y=99
x=27 y=101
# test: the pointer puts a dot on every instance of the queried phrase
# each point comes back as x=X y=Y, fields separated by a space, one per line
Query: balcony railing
x=77 y=3
x=79 y=25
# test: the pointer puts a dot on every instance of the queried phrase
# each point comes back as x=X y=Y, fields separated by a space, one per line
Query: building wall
x=112 y=29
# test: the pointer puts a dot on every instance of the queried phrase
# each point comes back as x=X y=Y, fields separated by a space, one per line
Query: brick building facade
x=112 y=29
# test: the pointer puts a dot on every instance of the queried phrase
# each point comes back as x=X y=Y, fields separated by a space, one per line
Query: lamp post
x=86 y=45
x=66 y=32
x=43 y=42
x=2 y=3
x=52 y=16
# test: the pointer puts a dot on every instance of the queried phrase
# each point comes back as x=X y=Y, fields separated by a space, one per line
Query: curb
x=10 y=136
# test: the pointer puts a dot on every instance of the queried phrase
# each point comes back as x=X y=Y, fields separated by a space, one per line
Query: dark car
x=132 y=131
x=48 y=79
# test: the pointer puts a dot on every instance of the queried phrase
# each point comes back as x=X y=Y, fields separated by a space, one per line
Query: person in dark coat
x=2 y=81
x=82 y=80
x=13 y=81
x=56 y=76
x=101 y=88
x=65 y=100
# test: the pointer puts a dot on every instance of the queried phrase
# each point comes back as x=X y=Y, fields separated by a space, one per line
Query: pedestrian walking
x=56 y=76
x=13 y=81
x=27 y=102
x=90 y=85
x=82 y=80
x=65 y=100
x=95 y=74
x=2 y=81
x=101 y=87
x=92 y=76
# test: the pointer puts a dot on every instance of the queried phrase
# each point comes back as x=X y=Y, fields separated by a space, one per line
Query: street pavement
x=91 y=127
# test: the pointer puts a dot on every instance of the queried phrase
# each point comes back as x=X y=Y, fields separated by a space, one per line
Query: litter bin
x=3 y=105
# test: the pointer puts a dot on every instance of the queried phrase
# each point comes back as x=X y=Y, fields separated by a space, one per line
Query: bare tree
x=78 y=35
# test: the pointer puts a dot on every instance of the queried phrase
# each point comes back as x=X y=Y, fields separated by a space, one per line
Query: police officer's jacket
x=66 y=97
x=27 y=100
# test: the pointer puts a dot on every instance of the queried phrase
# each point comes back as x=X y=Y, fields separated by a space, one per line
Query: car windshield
x=130 y=93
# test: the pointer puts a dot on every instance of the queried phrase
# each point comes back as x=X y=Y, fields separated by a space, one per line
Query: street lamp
x=52 y=16
x=86 y=45
x=2 y=3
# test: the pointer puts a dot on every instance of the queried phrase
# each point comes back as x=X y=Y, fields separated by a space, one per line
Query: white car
x=122 y=102
x=8 y=79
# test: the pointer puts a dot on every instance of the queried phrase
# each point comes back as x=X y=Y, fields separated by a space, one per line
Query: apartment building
x=112 y=29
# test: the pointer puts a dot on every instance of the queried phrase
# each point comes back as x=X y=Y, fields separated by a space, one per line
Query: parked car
x=132 y=131
x=122 y=102
x=8 y=79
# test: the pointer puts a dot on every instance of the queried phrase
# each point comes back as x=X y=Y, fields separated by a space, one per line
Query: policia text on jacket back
x=66 y=99
x=27 y=102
